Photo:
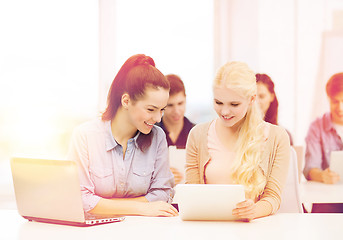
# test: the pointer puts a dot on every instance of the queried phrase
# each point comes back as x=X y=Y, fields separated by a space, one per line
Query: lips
x=176 y=118
x=227 y=118
x=149 y=124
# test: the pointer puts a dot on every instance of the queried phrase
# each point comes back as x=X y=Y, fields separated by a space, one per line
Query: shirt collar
x=161 y=124
x=111 y=142
x=328 y=125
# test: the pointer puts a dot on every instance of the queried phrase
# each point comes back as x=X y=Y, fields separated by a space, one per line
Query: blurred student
x=267 y=100
x=174 y=123
x=123 y=157
x=325 y=135
x=239 y=147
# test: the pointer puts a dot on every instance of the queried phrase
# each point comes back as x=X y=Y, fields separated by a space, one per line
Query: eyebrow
x=153 y=106
x=229 y=102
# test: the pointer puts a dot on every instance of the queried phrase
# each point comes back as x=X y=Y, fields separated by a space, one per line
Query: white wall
x=283 y=39
x=48 y=72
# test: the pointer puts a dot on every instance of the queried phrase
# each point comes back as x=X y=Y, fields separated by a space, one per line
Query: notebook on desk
x=49 y=191
x=177 y=159
x=208 y=201
x=336 y=163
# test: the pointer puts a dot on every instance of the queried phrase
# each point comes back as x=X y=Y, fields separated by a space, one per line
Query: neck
x=173 y=127
x=231 y=131
x=228 y=135
x=122 y=129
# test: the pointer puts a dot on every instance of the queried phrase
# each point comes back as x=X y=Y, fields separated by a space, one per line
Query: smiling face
x=264 y=97
x=176 y=108
x=230 y=106
x=148 y=110
x=336 y=108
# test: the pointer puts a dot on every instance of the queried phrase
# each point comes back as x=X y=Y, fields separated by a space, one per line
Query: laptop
x=49 y=191
x=336 y=163
x=208 y=201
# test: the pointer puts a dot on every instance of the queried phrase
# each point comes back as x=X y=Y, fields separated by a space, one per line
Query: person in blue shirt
x=123 y=157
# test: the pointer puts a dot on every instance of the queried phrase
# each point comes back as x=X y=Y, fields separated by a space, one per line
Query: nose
x=176 y=110
x=226 y=110
x=157 y=116
x=340 y=106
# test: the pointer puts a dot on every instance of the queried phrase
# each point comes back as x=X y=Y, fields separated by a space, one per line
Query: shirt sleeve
x=78 y=152
x=279 y=170
x=313 y=152
x=162 y=181
x=192 y=164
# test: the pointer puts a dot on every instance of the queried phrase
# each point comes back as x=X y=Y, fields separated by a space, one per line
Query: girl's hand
x=178 y=177
x=158 y=209
x=329 y=177
x=245 y=210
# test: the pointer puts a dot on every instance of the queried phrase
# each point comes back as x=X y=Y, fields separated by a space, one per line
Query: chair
x=300 y=157
x=290 y=198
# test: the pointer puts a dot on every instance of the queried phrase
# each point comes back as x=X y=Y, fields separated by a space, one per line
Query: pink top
x=274 y=163
x=218 y=169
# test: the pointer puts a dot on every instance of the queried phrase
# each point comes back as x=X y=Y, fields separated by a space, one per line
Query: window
x=178 y=35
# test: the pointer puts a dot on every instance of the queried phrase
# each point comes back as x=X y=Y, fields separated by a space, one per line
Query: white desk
x=279 y=226
x=316 y=192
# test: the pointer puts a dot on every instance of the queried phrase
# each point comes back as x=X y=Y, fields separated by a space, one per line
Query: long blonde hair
x=238 y=77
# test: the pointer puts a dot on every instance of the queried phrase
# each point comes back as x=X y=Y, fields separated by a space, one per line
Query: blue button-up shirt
x=105 y=173
x=322 y=138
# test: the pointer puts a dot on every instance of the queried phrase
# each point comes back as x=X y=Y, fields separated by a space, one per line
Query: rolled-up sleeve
x=78 y=152
x=162 y=180
x=313 y=153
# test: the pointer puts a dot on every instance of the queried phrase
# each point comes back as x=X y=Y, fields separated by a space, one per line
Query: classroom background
x=58 y=58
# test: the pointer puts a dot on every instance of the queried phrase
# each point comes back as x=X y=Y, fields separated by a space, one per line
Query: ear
x=253 y=99
x=125 y=100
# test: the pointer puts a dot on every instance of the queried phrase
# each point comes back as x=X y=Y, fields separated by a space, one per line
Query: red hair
x=176 y=84
x=136 y=74
x=272 y=112
x=334 y=85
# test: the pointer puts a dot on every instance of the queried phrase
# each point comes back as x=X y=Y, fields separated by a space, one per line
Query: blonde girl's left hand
x=245 y=211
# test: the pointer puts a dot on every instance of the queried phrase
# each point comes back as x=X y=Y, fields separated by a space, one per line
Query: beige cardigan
x=274 y=165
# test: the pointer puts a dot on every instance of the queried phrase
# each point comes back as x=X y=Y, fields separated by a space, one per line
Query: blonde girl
x=238 y=147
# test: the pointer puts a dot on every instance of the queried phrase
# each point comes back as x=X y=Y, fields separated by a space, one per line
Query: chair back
x=290 y=198
x=300 y=157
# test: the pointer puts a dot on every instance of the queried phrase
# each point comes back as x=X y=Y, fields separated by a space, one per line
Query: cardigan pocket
x=264 y=164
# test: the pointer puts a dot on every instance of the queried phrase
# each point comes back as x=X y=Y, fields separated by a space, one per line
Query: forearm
x=263 y=209
x=315 y=174
x=120 y=206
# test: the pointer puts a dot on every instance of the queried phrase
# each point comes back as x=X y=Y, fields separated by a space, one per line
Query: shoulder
x=188 y=123
x=277 y=133
x=91 y=127
x=320 y=125
x=158 y=132
x=201 y=128
x=320 y=121
x=199 y=132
